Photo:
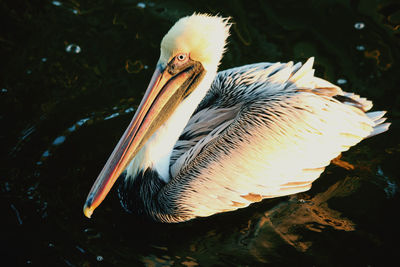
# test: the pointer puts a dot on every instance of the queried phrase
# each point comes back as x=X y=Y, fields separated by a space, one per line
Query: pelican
x=203 y=142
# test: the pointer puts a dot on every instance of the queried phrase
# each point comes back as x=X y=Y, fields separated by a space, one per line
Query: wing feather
x=277 y=134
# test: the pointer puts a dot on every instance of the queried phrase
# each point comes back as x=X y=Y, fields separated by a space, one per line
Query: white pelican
x=203 y=142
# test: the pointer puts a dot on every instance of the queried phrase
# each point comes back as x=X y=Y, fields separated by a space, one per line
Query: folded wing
x=265 y=130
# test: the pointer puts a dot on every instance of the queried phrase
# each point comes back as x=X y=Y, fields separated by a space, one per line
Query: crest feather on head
x=202 y=36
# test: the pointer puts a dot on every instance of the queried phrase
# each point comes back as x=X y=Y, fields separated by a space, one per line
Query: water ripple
x=59 y=140
x=389 y=187
x=16 y=214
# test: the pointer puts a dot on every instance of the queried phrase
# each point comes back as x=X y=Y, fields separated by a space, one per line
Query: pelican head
x=201 y=37
x=190 y=54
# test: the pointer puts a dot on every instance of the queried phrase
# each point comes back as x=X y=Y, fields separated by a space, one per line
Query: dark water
x=72 y=73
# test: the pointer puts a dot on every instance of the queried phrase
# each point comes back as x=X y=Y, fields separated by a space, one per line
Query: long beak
x=162 y=96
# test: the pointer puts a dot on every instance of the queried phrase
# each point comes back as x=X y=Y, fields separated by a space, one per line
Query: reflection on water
x=75 y=72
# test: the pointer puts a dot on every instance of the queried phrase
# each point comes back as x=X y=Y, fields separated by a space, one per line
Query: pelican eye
x=181 y=57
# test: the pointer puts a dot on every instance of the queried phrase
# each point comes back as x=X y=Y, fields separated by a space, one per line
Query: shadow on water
x=73 y=73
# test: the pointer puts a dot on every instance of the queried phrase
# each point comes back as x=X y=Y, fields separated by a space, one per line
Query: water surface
x=73 y=73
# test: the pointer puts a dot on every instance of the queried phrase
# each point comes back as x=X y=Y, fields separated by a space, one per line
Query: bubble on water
x=73 y=48
x=141 y=5
x=359 y=25
x=56 y=3
x=341 y=81
x=360 y=48
x=99 y=258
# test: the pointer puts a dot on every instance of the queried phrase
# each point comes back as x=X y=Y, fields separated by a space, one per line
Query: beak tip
x=88 y=211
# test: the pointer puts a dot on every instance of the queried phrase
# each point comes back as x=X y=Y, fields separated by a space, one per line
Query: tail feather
x=304 y=77
x=381 y=128
x=378 y=120
x=375 y=115
x=365 y=103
